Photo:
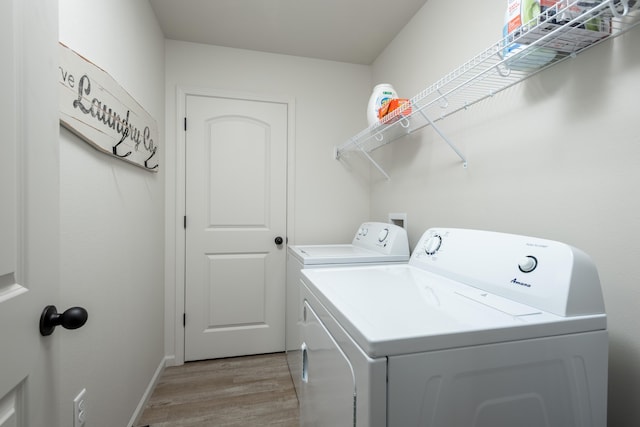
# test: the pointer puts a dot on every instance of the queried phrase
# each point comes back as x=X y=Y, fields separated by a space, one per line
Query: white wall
x=112 y=224
x=557 y=156
x=330 y=200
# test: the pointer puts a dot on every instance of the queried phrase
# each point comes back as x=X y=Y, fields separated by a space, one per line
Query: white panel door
x=29 y=219
x=236 y=163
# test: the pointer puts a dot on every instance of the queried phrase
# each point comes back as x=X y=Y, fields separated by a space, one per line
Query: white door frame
x=176 y=311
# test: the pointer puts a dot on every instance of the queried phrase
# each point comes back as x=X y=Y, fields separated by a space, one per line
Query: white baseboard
x=170 y=361
x=147 y=393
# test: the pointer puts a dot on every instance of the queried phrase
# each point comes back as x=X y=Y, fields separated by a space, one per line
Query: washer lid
x=399 y=309
x=341 y=254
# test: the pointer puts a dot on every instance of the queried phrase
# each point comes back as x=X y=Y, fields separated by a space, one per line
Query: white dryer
x=373 y=243
x=479 y=329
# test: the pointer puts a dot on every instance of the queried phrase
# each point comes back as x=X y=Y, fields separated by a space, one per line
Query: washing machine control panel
x=382 y=237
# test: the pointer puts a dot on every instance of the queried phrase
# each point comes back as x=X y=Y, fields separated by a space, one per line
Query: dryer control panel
x=545 y=274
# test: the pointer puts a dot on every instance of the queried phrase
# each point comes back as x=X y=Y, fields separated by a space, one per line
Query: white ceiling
x=340 y=30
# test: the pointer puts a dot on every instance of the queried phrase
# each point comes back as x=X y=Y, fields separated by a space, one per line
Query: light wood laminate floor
x=241 y=391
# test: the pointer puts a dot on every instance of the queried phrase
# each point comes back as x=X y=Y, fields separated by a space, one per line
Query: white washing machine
x=373 y=243
x=479 y=329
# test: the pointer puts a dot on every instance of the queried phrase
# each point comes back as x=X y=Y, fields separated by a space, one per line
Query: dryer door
x=328 y=392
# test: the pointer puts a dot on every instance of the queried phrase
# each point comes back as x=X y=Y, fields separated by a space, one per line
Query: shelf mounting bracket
x=444 y=137
x=336 y=155
x=374 y=163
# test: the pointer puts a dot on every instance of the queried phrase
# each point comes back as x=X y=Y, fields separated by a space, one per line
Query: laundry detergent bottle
x=382 y=94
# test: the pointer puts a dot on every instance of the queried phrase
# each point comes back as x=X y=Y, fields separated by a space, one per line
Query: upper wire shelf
x=549 y=38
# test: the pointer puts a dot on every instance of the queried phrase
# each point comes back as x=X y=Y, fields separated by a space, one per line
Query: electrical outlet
x=80 y=409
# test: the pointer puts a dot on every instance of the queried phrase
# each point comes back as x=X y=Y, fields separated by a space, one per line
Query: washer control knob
x=365 y=231
x=382 y=236
x=528 y=264
x=432 y=244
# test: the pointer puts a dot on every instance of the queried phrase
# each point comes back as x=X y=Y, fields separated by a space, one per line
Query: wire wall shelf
x=548 y=39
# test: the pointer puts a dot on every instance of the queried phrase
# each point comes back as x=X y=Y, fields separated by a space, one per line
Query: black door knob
x=72 y=318
x=278 y=240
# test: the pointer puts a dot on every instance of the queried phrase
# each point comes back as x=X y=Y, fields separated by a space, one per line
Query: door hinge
x=184 y=319
x=185 y=124
x=184 y=222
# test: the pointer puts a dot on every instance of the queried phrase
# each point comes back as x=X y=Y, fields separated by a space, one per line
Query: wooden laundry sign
x=97 y=109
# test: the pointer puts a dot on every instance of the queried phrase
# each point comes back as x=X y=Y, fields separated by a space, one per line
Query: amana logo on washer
x=517 y=282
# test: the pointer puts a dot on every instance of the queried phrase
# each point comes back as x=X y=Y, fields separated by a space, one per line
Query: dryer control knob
x=433 y=244
x=528 y=264
x=382 y=236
